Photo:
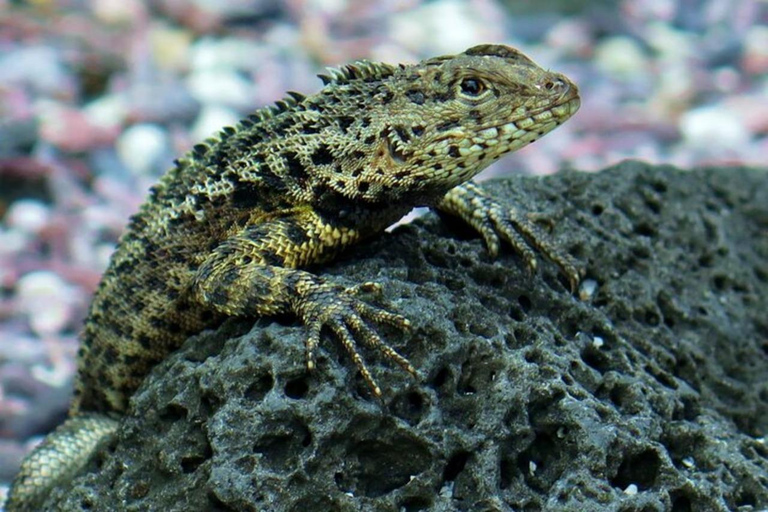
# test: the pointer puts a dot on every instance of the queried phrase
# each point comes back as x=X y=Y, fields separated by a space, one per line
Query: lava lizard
x=229 y=230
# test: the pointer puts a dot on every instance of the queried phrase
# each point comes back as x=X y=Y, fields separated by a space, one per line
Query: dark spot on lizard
x=110 y=355
x=173 y=327
x=415 y=96
x=402 y=134
x=386 y=96
x=310 y=129
x=296 y=234
x=345 y=122
x=245 y=195
x=322 y=155
x=145 y=341
x=444 y=96
x=447 y=125
x=294 y=167
x=219 y=297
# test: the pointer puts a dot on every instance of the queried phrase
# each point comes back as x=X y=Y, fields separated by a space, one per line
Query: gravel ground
x=97 y=98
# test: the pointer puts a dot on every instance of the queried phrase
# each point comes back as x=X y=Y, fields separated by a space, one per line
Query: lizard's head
x=460 y=113
x=431 y=126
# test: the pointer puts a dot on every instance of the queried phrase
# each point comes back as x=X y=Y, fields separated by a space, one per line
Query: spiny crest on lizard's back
x=377 y=133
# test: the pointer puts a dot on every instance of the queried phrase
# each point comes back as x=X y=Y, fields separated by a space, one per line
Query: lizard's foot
x=339 y=309
x=521 y=232
x=496 y=222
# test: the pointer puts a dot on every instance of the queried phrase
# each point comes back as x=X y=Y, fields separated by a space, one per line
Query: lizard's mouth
x=544 y=119
x=530 y=120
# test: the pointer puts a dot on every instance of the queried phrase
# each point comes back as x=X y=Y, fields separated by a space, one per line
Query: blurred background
x=97 y=97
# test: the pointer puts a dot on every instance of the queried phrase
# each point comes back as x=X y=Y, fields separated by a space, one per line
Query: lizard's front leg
x=255 y=272
x=495 y=221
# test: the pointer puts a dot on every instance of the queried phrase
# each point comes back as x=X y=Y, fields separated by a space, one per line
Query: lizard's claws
x=345 y=315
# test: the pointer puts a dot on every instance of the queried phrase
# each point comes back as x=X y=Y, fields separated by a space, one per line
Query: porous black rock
x=651 y=393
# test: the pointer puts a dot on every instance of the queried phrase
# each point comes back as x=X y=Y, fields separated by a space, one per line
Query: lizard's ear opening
x=396 y=147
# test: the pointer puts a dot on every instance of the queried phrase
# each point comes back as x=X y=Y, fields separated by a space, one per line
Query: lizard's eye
x=472 y=87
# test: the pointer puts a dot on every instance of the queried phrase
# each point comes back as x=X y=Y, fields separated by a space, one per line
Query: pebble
x=45 y=299
x=144 y=148
x=712 y=129
x=115 y=12
x=37 y=67
x=224 y=54
x=221 y=87
x=28 y=215
x=439 y=28
x=170 y=46
x=12 y=242
x=109 y=111
x=211 y=120
x=621 y=57
x=670 y=44
x=72 y=129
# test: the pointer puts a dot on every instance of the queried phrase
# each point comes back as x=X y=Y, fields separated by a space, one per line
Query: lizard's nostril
x=556 y=85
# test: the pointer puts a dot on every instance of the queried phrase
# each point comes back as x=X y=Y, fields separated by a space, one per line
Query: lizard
x=232 y=228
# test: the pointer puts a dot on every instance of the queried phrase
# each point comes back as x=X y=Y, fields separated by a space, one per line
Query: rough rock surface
x=650 y=394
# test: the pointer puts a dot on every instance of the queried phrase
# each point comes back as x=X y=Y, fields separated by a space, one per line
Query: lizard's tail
x=57 y=459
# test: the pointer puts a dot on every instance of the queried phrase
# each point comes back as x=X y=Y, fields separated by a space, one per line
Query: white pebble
x=117 y=11
x=142 y=147
x=28 y=215
x=211 y=120
x=107 y=111
x=221 y=87
x=621 y=56
x=713 y=127
x=170 y=46
x=224 y=54
x=449 y=26
x=631 y=490
x=12 y=241
x=38 y=66
x=46 y=300
x=672 y=45
x=587 y=289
